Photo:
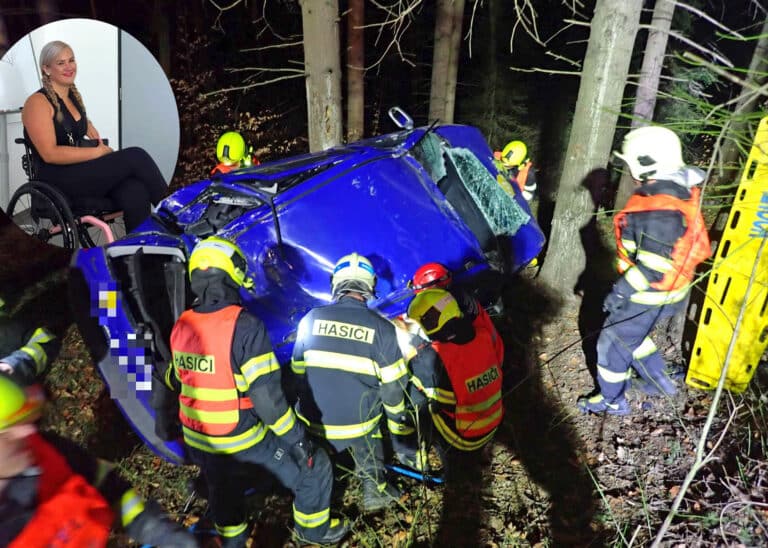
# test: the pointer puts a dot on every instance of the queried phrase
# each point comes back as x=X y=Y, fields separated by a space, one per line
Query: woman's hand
x=102 y=149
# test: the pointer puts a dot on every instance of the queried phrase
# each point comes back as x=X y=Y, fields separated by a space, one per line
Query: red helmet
x=430 y=275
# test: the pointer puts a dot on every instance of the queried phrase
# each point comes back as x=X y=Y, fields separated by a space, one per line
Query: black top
x=69 y=130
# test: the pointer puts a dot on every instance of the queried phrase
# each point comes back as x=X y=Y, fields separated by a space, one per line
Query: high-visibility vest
x=201 y=344
x=221 y=167
x=70 y=512
x=474 y=370
x=689 y=251
x=522 y=174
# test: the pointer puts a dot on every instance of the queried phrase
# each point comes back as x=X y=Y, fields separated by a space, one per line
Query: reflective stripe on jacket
x=350 y=369
x=688 y=252
x=475 y=373
x=70 y=512
x=212 y=394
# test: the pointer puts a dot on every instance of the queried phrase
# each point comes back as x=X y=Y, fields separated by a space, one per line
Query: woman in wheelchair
x=63 y=138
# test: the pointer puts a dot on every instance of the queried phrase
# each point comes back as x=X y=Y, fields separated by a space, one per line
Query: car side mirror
x=400 y=118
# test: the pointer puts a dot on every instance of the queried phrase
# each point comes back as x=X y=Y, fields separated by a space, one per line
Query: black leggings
x=129 y=177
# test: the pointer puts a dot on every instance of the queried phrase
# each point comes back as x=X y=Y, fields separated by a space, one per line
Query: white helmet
x=353 y=272
x=651 y=151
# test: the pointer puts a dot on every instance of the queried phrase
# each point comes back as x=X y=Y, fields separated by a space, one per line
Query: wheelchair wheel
x=42 y=212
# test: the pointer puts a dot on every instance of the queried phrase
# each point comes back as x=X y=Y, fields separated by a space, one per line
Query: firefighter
x=232 y=407
x=514 y=158
x=660 y=238
x=52 y=493
x=348 y=369
x=437 y=276
x=232 y=154
x=30 y=351
x=465 y=396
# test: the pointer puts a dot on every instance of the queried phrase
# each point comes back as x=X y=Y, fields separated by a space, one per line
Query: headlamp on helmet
x=433 y=309
x=353 y=272
x=216 y=252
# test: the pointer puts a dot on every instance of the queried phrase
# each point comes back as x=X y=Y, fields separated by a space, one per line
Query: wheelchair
x=43 y=212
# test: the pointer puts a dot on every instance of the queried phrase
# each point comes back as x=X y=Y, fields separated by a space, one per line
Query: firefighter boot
x=376 y=497
x=657 y=385
x=598 y=404
x=337 y=530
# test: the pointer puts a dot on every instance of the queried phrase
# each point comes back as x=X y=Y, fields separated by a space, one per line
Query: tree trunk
x=162 y=31
x=320 y=22
x=603 y=77
x=441 y=55
x=457 y=16
x=355 y=70
x=46 y=9
x=5 y=41
x=648 y=85
x=740 y=136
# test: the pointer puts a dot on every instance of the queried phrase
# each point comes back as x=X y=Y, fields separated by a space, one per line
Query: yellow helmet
x=353 y=272
x=433 y=308
x=19 y=405
x=215 y=252
x=230 y=148
x=514 y=154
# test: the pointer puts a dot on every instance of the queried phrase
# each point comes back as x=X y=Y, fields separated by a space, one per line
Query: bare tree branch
x=249 y=86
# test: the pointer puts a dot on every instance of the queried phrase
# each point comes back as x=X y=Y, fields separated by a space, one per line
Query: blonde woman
x=56 y=124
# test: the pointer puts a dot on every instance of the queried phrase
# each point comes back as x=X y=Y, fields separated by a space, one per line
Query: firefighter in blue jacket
x=660 y=239
x=232 y=407
x=349 y=369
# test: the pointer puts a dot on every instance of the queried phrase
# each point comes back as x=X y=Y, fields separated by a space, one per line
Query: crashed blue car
x=402 y=199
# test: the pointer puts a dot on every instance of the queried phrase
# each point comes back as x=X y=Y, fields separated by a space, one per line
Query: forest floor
x=551 y=477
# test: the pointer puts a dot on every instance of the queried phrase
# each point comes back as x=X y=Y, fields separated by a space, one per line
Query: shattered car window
x=429 y=153
x=501 y=211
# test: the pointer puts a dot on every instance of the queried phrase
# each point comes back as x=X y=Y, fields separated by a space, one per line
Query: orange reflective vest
x=209 y=403
x=474 y=370
x=689 y=251
x=70 y=512
x=522 y=174
x=224 y=168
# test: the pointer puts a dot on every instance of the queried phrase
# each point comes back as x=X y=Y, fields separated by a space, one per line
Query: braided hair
x=47 y=56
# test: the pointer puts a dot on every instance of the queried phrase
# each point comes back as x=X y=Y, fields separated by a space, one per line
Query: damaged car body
x=402 y=199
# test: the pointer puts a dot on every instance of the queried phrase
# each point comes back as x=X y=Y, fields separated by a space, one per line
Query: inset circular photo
x=89 y=133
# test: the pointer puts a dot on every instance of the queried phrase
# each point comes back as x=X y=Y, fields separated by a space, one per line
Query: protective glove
x=153 y=528
x=614 y=302
x=303 y=452
x=618 y=297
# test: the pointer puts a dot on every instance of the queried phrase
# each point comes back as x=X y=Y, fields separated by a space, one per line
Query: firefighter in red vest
x=437 y=276
x=514 y=158
x=350 y=374
x=660 y=238
x=54 y=494
x=232 y=153
x=232 y=407
x=465 y=394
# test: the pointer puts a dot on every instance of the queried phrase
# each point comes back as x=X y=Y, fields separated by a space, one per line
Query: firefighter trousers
x=311 y=486
x=368 y=455
x=625 y=343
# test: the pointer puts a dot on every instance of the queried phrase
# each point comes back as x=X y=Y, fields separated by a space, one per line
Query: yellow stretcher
x=744 y=238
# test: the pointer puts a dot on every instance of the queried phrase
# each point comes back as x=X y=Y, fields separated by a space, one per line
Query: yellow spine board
x=727 y=291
